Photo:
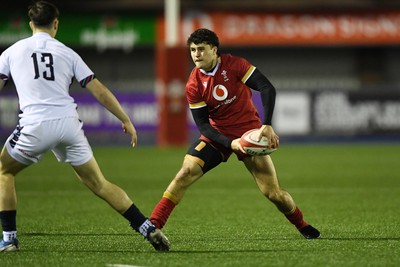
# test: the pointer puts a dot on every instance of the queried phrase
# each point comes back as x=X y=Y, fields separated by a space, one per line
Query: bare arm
x=110 y=102
x=2 y=83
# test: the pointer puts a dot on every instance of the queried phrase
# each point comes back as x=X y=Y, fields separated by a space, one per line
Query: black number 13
x=46 y=58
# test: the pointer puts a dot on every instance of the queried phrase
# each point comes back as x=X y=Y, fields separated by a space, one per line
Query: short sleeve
x=82 y=72
x=4 y=66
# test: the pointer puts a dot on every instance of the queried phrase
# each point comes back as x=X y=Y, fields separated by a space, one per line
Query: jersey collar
x=42 y=34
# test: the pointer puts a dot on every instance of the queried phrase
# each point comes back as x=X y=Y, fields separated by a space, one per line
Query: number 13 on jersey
x=46 y=59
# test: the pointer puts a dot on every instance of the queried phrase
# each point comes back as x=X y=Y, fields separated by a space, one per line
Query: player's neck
x=49 y=30
x=214 y=65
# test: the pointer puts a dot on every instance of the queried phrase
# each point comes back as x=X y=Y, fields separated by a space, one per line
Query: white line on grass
x=123 y=265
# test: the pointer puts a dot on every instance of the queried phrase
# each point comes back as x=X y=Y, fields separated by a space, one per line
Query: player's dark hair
x=203 y=35
x=43 y=13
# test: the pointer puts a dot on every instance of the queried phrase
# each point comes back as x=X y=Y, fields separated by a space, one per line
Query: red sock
x=296 y=218
x=161 y=212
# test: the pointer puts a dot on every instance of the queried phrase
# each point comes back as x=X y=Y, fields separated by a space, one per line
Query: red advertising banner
x=381 y=27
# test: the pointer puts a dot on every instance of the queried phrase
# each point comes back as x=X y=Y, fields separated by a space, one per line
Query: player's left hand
x=268 y=132
x=235 y=145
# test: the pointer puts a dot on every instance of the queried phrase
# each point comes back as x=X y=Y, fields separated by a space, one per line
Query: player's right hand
x=130 y=129
x=269 y=133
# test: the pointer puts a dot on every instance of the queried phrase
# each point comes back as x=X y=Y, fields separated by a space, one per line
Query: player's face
x=204 y=56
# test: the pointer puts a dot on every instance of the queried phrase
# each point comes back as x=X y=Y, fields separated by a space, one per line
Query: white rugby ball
x=253 y=147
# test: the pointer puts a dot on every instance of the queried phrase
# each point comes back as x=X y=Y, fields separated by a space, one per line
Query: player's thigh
x=8 y=165
x=204 y=154
x=90 y=174
x=263 y=170
x=73 y=147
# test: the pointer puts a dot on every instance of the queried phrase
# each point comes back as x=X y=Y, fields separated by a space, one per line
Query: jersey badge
x=224 y=74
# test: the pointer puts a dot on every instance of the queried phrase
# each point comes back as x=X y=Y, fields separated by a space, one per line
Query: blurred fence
x=298 y=115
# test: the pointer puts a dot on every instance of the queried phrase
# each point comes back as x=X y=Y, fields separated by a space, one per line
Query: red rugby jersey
x=223 y=91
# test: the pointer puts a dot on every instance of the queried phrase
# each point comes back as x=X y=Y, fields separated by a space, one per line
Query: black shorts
x=206 y=155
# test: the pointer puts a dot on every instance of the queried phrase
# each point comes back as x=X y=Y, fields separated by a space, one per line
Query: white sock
x=9 y=236
x=143 y=229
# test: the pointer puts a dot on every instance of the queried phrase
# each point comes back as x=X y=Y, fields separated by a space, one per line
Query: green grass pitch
x=350 y=192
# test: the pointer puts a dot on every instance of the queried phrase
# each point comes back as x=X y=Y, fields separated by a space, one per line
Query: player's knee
x=95 y=185
x=274 y=195
x=185 y=172
x=186 y=176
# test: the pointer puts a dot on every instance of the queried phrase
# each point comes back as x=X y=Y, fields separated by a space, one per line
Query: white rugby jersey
x=43 y=69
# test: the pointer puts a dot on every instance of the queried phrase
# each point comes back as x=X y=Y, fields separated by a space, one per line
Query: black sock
x=8 y=220
x=135 y=217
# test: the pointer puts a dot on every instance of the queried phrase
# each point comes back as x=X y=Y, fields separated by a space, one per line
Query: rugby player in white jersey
x=42 y=69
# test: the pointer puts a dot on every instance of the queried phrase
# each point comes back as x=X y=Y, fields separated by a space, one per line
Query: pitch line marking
x=123 y=265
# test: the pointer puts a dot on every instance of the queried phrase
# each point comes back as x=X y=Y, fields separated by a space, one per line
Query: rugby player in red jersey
x=220 y=99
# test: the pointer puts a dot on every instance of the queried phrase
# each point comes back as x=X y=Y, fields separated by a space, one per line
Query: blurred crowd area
x=299 y=66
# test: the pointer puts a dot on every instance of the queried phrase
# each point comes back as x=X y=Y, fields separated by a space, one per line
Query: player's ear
x=55 y=24
x=215 y=49
x=55 y=27
x=31 y=25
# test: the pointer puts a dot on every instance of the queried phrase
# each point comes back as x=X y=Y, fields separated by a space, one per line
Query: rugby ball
x=253 y=147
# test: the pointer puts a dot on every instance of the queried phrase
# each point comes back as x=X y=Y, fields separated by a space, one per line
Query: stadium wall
x=339 y=80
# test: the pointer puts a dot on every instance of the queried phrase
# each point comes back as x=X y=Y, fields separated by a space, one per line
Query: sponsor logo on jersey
x=220 y=92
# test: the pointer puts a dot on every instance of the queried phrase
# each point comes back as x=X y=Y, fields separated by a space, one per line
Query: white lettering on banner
x=143 y=114
x=355 y=27
x=390 y=116
x=305 y=26
x=334 y=112
x=90 y=114
x=287 y=26
x=292 y=113
x=8 y=38
x=104 y=39
x=368 y=26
